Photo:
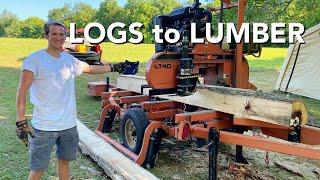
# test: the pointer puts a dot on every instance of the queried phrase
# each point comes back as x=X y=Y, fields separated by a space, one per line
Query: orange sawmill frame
x=189 y=125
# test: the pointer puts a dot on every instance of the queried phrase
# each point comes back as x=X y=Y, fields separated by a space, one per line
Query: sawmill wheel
x=133 y=126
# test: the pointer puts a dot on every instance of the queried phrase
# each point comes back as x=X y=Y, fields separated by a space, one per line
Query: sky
x=40 y=8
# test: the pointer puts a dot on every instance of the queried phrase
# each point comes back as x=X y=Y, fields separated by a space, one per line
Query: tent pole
x=294 y=65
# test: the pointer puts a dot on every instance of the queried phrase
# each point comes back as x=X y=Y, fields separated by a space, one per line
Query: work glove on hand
x=118 y=67
x=23 y=130
x=126 y=68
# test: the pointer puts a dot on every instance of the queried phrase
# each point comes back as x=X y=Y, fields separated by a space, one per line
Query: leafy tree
x=63 y=15
x=165 y=6
x=32 y=28
x=83 y=14
x=79 y=13
x=302 y=11
x=6 y=19
x=14 y=30
x=286 y=11
x=144 y=10
x=109 y=12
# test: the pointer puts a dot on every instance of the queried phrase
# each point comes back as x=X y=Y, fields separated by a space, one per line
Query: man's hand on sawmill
x=23 y=130
x=118 y=67
x=126 y=67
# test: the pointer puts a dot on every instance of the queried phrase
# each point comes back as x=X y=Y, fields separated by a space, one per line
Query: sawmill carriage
x=185 y=95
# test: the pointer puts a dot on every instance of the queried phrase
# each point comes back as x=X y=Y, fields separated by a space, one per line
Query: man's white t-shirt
x=52 y=91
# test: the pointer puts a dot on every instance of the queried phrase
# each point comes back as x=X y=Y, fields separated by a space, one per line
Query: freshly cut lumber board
x=247 y=104
x=115 y=164
x=132 y=83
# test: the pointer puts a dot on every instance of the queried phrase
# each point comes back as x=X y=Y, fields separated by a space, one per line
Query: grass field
x=13 y=156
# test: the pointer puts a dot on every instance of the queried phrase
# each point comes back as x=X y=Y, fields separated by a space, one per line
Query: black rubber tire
x=138 y=117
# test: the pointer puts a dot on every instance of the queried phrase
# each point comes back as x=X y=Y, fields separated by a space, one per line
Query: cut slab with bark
x=246 y=104
x=115 y=164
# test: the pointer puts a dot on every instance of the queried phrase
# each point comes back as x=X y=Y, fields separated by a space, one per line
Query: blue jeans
x=41 y=145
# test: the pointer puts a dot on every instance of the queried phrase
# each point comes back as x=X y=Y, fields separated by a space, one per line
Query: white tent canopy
x=300 y=73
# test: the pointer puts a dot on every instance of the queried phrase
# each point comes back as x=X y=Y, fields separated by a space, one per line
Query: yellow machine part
x=82 y=48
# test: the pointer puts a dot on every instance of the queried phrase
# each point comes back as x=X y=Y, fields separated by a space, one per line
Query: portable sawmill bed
x=216 y=114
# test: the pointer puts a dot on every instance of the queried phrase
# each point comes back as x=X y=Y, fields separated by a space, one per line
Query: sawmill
x=200 y=92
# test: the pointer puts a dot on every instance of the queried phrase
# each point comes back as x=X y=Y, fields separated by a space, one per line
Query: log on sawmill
x=115 y=164
x=242 y=103
x=247 y=104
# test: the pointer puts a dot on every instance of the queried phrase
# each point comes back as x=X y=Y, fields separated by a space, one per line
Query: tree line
x=306 y=12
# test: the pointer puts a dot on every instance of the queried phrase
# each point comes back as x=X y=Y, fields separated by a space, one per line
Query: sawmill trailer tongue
x=200 y=92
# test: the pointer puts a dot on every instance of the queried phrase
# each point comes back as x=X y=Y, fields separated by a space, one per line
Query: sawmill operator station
x=200 y=92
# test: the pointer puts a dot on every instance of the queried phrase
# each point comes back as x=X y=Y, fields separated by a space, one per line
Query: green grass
x=115 y=52
x=270 y=59
x=14 y=157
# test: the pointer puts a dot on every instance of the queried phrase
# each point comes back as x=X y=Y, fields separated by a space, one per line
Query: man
x=50 y=74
